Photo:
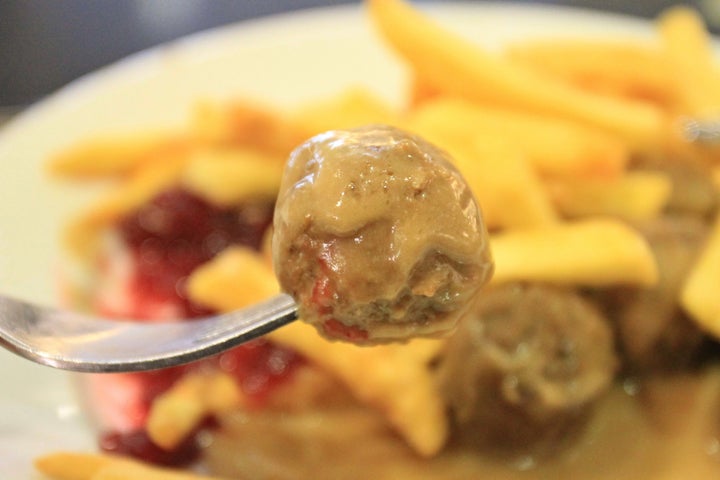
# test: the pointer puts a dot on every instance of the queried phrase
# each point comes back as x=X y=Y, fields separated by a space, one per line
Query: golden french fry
x=634 y=196
x=597 y=252
x=353 y=108
x=228 y=176
x=392 y=378
x=499 y=176
x=176 y=413
x=420 y=91
x=555 y=147
x=689 y=50
x=222 y=393
x=248 y=124
x=215 y=283
x=627 y=68
x=74 y=466
x=88 y=466
x=699 y=296
x=137 y=471
x=502 y=177
x=173 y=417
x=459 y=67
x=116 y=155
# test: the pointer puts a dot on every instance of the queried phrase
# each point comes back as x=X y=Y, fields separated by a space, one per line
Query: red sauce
x=168 y=238
x=176 y=232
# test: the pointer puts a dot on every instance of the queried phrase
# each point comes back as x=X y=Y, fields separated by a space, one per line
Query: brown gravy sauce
x=664 y=428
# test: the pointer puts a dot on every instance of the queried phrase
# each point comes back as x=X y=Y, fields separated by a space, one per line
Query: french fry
x=634 y=196
x=459 y=67
x=699 y=295
x=137 y=471
x=353 y=108
x=228 y=176
x=74 y=466
x=173 y=417
x=420 y=91
x=626 y=68
x=221 y=393
x=688 y=47
x=505 y=183
x=507 y=188
x=395 y=379
x=246 y=124
x=88 y=466
x=597 y=253
x=555 y=147
x=115 y=155
x=176 y=413
x=214 y=284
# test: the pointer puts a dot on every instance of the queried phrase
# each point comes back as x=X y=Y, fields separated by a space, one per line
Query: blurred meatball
x=525 y=365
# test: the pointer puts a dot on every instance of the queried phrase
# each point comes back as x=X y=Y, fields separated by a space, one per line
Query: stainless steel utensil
x=74 y=341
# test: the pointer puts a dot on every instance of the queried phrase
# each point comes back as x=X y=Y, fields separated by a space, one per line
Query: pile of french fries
x=545 y=133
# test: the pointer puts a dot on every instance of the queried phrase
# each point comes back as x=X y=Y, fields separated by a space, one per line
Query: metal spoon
x=73 y=341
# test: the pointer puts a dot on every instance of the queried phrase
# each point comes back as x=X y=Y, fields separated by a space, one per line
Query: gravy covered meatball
x=377 y=236
x=525 y=366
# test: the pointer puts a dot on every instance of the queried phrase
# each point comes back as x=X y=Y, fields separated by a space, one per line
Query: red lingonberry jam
x=176 y=232
x=259 y=366
x=168 y=238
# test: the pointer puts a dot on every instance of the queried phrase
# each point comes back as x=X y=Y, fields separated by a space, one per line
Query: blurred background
x=45 y=44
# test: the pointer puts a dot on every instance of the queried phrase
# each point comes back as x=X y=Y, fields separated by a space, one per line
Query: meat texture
x=377 y=236
x=525 y=366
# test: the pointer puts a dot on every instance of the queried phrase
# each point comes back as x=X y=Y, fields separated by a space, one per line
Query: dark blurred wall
x=46 y=43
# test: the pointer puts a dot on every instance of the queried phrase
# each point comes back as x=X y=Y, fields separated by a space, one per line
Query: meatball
x=377 y=236
x=654 y=331
x=522 y=370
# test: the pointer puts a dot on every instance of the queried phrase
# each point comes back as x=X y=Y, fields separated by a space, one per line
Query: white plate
x=284 y=60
